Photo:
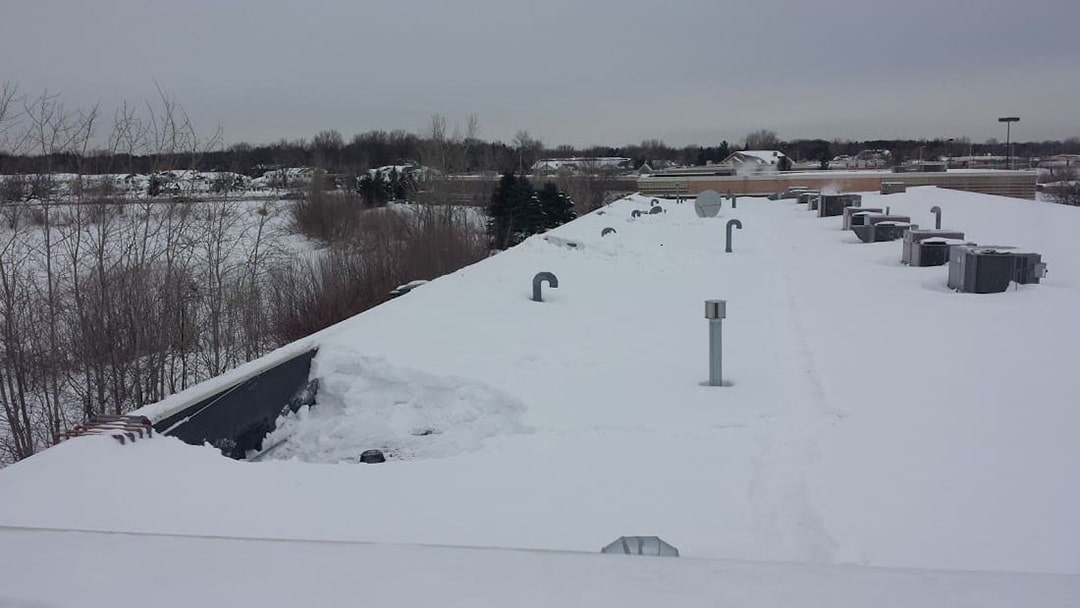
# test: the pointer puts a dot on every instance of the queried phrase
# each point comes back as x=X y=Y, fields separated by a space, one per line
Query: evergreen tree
x=515 y=212
x=556 y=206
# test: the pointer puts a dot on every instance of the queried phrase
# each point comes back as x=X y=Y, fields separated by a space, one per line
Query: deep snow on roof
x=873 y=416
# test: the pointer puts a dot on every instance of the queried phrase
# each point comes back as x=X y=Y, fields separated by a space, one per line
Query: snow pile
x=366 y=403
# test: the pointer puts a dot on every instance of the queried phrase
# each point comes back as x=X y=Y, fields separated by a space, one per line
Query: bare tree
x=8 y=96
x=762 y=139
x=437 y=143
x=1066 y=189
x=528 y=149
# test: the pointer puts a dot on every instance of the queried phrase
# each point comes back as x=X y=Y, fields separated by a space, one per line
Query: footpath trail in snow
x=873 y=417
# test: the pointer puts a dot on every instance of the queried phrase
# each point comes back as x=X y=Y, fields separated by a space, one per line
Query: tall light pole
x=1008 y=120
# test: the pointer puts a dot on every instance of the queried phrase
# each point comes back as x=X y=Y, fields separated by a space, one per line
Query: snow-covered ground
x=873 y=418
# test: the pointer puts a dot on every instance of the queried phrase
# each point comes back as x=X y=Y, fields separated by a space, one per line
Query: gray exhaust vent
x=372 y=457
x=731 y=224
x=540 y=277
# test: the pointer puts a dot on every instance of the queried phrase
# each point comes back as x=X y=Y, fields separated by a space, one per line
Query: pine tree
x=557 y=207
x=515 y=212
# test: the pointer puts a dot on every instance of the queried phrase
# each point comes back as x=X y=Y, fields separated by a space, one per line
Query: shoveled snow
x=365 y=403
x=873 y=416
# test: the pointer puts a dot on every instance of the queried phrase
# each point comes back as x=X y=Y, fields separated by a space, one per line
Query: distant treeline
x=329 y=151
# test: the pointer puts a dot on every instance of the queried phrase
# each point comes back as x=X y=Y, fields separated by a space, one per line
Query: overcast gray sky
x=579 y=72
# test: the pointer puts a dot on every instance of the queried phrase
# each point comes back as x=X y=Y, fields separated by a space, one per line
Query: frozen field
x=874 y=418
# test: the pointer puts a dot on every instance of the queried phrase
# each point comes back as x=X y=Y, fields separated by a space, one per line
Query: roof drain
x=372 y=457
x=607 y=231
x=540 y=277
x=731 y=224
x=635 y=213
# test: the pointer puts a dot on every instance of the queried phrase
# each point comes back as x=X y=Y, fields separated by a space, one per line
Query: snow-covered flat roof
x=561 y=425
x=167 y=572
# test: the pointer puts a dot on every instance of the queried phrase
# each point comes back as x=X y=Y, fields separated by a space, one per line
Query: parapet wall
x=1017 y=184
x=237 y=417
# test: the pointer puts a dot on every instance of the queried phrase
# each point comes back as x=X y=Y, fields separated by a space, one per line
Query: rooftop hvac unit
x=851 y=214
x=889 y=231
x=913 y=237
x=876 y=218
x=974 y=269
x=804 y=197
x=933 y=252
x=834 y=204
x=893 y=187
x=881 y=228
x=794 y=192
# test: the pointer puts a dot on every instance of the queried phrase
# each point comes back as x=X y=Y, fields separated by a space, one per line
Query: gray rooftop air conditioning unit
x=834 y=204
x=851 y=214
x=805 y=196
x=933 y=251
x=794 y=192
x=893 y=187
x=881 y=228
x=641 y=545
x=889 y=231
x=974 y=269
x=913 y=237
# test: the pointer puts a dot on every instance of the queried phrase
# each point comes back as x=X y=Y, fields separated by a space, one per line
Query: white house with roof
x=757 y=161
x=583 y=164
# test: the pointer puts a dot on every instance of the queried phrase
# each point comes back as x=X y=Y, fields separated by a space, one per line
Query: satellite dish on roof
x=708 y=203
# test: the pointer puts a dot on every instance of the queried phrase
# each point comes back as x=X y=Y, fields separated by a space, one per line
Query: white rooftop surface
x=874 y=418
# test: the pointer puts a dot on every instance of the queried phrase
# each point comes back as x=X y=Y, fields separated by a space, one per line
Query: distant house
x=1061 y=162
x=415 y=171
x=584 y=164
x=757 y=161
x=866 y=159
x=985 y=161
